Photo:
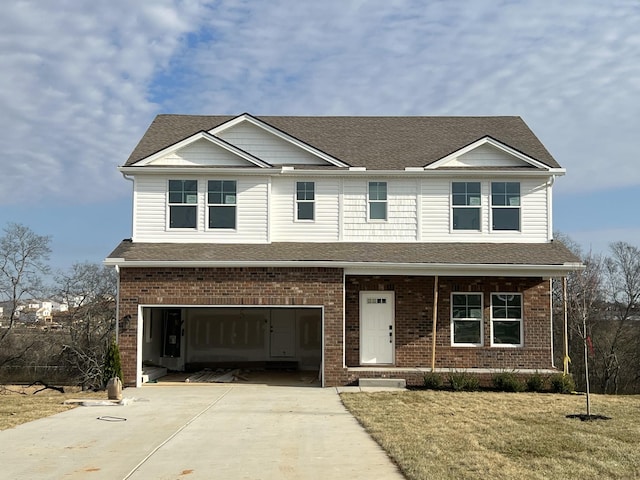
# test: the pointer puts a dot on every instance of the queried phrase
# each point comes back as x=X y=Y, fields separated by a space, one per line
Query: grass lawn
x=439 y=434
x=20 y=405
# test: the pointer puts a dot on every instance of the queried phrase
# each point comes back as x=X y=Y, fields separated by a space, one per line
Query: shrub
x=561 y=383
x=433 y=381
x=507 y=382
x=463 y=382
x=536 y=383
x=112 y=363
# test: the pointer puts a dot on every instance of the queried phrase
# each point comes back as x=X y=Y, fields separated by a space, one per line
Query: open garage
x=192 y=338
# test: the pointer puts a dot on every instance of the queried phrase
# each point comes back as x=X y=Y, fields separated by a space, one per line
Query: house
x=352 y=246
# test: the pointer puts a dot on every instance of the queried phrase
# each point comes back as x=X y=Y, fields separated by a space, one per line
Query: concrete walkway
x=199 y=432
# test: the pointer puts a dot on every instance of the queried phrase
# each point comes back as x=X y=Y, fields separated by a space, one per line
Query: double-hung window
x=505 y=205
x=305 y=200
x=221 y=202
x=506 y=319
x=466 y=319
x=377 y=200
x=183 y=203
x=465 y=199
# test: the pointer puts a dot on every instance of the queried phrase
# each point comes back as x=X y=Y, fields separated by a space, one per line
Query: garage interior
x=195 y=339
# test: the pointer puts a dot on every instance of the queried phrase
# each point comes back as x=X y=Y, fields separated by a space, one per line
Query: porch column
x=435 y=321
x=565 y=359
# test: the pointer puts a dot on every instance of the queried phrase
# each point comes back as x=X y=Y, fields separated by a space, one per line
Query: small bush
x=433 y=381
x=536 y=383
x=463 y=382
x=113 y=363
x=507 y=382
x=562 y=383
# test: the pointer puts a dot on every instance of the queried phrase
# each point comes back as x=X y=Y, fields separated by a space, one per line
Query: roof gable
x=487 y=153
x=203 y=149
x=270 y=144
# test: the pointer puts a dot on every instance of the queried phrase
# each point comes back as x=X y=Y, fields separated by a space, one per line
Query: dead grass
x=20 y=405
x=436 y=434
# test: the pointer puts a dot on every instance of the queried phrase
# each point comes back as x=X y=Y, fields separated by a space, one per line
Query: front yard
x=438 y=434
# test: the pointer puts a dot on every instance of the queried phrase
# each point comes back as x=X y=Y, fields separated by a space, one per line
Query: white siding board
x=267 y=146
x=486 y=156
x=202 y=153
x=150 y=220
x=284 y=225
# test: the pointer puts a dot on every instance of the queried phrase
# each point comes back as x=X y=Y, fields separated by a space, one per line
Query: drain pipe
x=435 y=321
x=566 y=360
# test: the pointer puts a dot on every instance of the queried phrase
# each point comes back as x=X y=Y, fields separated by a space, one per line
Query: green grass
x=437 y=434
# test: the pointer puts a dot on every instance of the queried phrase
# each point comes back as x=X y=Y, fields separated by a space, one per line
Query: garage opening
x=196 y=339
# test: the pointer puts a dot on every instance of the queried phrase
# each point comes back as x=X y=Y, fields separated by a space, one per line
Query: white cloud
x=82 y=80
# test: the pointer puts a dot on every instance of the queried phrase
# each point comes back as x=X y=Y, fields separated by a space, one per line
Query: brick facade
x=234 y=286
x=414 y=322
x=324 y=287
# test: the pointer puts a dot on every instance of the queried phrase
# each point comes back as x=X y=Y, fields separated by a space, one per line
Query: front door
x=377 y=338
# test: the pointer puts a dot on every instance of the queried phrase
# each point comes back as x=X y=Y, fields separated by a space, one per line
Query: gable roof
x=376 y=143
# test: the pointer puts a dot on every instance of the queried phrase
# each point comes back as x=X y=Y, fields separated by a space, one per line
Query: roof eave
x=363 y=268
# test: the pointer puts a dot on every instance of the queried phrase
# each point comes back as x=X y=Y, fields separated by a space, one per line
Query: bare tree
x=90 y=291
x=23 y=263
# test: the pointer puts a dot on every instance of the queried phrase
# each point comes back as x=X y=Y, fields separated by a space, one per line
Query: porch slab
x=383 y=382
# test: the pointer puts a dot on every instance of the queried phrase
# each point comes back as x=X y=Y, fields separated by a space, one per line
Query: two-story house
x=351 y=246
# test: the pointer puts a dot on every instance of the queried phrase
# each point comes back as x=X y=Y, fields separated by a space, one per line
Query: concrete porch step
x=383 y=382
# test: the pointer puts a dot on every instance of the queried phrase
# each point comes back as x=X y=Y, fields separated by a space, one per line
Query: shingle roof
x=553 y=253
x=377 y=143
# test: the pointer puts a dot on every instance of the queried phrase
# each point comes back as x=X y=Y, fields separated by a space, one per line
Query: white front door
x=377 y=337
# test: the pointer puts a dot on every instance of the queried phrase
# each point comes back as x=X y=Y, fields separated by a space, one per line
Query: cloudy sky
x=81 y=81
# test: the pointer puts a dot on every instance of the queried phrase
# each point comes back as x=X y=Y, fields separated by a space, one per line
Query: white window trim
x=207 y=205
x=481 y=320
x=168 y=227
x=492 y=206
x=296 y=202
x=520 y=320
x=369 y=202
x=461 y=231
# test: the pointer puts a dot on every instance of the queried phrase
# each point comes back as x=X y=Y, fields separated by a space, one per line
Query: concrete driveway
x=199 y=432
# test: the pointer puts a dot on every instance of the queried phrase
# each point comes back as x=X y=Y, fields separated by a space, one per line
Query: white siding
x=150 y=212
x=202 y=153
x=436 y=214
x=401 y=223
x=486 y=156
x=267 y=146
x=285 y=228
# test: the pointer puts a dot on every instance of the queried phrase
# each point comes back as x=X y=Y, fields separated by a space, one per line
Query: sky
x=81 y=82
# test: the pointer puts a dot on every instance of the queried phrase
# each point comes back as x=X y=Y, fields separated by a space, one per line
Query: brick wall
x=234 y=286
x=414 y=319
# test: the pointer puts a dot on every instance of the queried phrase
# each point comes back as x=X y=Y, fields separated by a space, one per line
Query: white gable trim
x=204 y=136
x=245 y=117
x=494 y=143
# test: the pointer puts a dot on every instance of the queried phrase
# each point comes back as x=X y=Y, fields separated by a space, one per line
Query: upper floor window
x=465 y=198
x=505 y=205
x=221 y=202
x=183 y=203
x=305 y=199
x=506 y=319
x=466 y=319
x=377 y=200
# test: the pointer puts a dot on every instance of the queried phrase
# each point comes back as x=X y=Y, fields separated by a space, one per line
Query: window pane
x=305 y=211
x=506 y=219
x=506 y=332
x=182 y=217
x=222 y=217
x=377 y=190
x=378 y=211
x=183 y=191
x=221 y=192
x=304 y=191
x=465 y=331
x=466 y=219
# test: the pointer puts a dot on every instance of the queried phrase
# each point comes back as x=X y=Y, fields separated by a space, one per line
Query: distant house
x=352 y=246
